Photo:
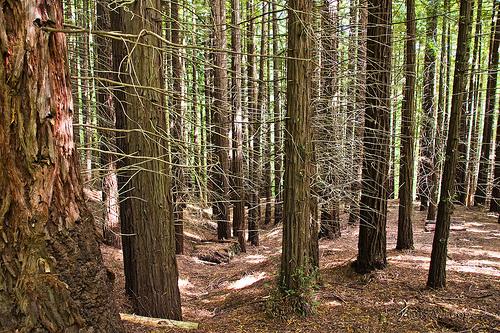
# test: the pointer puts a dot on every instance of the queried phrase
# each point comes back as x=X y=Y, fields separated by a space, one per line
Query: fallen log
x=158 y=322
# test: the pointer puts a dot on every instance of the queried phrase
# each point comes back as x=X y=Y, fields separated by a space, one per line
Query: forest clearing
x=233 y=296
x=249 y=166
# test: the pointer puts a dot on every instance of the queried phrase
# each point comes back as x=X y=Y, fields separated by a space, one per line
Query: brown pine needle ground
x=231 y=297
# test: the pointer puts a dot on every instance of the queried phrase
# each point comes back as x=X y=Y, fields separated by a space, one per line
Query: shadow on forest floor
x=230 y=297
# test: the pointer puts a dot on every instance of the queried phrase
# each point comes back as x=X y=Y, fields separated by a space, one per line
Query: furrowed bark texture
x=437 y=270
x=295 y=260
x=489 y=117
x=220 y=123
x=146 y=208
x=405 y=231
x=239 y=219
x=52 y=278
x=373 y=205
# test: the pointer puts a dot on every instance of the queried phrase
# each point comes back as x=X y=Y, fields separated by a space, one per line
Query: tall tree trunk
x=206 y=114
x=472 y=111
x=146 y=211
x=461 y=187
x=278 y=154
x=391 y=193
x=327 y=121
x=253 y=195
x=86 y=98
x=441 y=110
x=107 y=120
x=177 y=124
x=407 y=159
x=427 y=148
x=489 y=116
x=237 y=165
x=220 y=116
x=373 y=207
x=437 y=270
x=49 y=248
x=295 y=258
x=495 y=194
x=261 y=119
x=360 y=104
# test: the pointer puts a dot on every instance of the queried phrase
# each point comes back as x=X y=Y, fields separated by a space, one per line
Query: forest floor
x=232 y=297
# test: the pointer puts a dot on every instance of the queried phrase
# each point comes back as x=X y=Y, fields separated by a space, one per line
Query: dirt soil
x=231 y=297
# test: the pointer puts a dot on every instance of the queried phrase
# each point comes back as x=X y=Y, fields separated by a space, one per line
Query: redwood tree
x=237 y=161
x=437 y=270
x=375 y=176
x=107 y=121
x=405 y=231
x=489 y=117
x=295 y=258
x=146 y=207
x=426 y=168
x=52 y=278
x=220 y=123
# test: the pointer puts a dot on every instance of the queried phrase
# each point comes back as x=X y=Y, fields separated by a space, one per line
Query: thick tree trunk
x=220 y=123
x=405 y=231
x=296 y=263
x=146 y=209
x=437 y=270
x=489 y=117
x=49 y=249
x=237 y=165
x=373 y=206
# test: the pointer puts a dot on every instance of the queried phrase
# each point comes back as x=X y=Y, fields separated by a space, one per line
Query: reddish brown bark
x=220 y=123
x=239 y=220
x=405 y=228
x=437 y=269
x=373 y=207
x=146 y=207
x=296 y=260
x=52 y=277
x=107 y=121
x=489 y=117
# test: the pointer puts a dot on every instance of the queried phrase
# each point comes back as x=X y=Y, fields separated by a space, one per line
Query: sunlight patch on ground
x=410 y=261
x=483 y=253
x=486 y=267
x=482 y=263
x=478 y=231
x=255 y=259
x=185 y=284
x=247 y=280
x=409 y=257
x=474 y=269
x=333 y=303
x=193 y=236
x=474 y=224
x=274 y=234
